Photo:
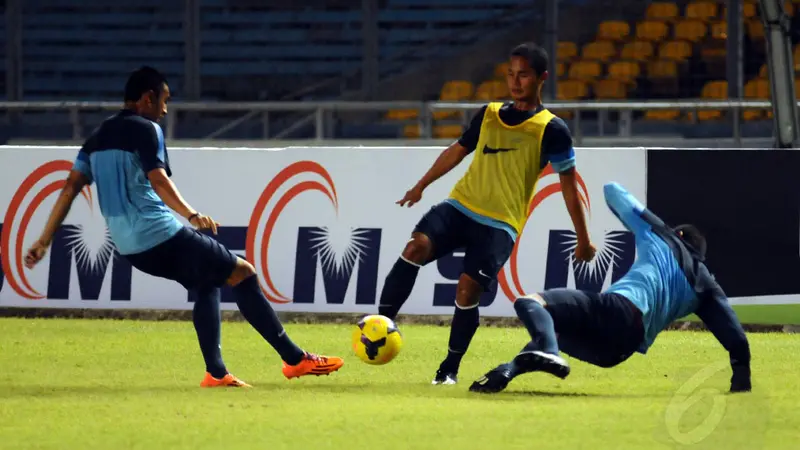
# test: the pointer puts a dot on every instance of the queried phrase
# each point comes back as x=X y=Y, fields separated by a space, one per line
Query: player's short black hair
x=142 y=80
x=692 y=236
x=536 y=56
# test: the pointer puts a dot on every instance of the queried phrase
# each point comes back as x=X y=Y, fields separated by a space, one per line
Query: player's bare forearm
x=169 y=193
x=75 y=182
x=446 y=161
x=569 y=189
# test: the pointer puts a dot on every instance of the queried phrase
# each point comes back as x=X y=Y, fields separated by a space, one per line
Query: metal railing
x=322 y=110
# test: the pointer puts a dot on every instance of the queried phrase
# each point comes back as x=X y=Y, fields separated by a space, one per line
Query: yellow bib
x=501 y=180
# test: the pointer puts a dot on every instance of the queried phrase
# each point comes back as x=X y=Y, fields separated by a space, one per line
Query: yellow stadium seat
x=702 y=10
x=566 y=51
x=713 y=90
x=585 y=70
x=492 y=90
x=613 y=30
x=411 y=131
x=624 y=71
x=599 y=50
x=501 y=70
x=447 y=131
x=455 y=90
x=662 y=69
x=763 y=72
x=662 y=114
x=755 y=29
x=749 y=8
x=637 y=50
x=651 y=30
x=755 y=89
x=561 y=69
x=789 y=8
x=610 y=89
x=690 y=30
x=666 y=11
x=402 y=114
x=675 y=50
x=569 y=90
x=719 y=30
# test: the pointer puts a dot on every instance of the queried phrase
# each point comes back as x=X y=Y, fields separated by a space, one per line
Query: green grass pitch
x=101 y=384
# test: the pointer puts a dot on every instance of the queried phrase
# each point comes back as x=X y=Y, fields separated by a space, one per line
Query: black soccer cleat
x=536 y=361
x=445 y=377
x=493 y=382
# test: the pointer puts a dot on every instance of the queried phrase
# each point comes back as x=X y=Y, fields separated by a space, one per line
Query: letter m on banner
x=337 y=261
x=616 y=256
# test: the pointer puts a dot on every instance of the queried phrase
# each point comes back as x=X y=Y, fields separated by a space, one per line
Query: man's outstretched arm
x=720 y=319
x=628 y=209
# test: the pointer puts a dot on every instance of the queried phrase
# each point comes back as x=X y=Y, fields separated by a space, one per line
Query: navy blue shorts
x=191 y=258
x=486 y=249
x=603 y=329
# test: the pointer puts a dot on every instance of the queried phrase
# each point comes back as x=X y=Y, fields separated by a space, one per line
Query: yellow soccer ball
x=376 y=340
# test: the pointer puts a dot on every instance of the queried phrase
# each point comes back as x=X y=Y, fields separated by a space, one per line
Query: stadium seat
x=763 y=72
x=666 y=11
x=609 y=89
x=624 y=71
x=756 y=89
x=411 y=131
x=637 y=50
x=447 y=131
x=713 y=90
x=789 y=7
x=651 y=30
x=755 y=29
x=662 y=69
x=454 y=91
x=402 y=114
x=491 y=90
x=675 y=50
x=570 y=90
x=690 y=30
x=662 y=115
x=599 y=50
x=613 y=30
x=701 y=10
x=501 y=70
x=719 y=31
x=664 y=78
x=566 y=51
x=561 y=69
x=585 y=70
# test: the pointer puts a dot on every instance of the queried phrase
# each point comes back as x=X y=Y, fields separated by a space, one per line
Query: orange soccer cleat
x=227 y=381
x=313 y=365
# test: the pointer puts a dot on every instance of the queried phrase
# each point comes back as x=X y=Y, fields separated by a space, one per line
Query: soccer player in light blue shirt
x=668 y=280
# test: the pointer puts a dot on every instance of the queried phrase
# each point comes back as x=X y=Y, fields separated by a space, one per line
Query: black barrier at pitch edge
x=747 y=202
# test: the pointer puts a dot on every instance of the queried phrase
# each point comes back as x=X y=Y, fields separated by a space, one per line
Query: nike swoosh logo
x=490 y=151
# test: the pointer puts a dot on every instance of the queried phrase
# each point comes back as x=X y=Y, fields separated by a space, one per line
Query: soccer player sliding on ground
x=127 y=159
x=488 y=207
x=668 y=280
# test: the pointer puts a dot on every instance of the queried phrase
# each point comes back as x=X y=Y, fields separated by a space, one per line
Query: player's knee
x=241 y=272
x=418 y=249
x=522 y=301
x=468 y=292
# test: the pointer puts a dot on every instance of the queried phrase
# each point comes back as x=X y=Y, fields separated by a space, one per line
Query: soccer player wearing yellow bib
x=487 y=209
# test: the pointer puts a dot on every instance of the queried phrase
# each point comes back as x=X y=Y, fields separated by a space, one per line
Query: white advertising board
x=320 y=224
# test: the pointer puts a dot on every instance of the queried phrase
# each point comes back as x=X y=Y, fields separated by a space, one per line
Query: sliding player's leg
x=487 y=251
x=435 y=235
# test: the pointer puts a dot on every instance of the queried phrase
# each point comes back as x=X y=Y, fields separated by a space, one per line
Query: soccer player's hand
x=35 y=254
x=203 y=222
x=585 y=251
x=740 y=381
x=412 y=196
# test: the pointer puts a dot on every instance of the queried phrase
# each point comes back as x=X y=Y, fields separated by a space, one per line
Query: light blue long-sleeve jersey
x=655 y=283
